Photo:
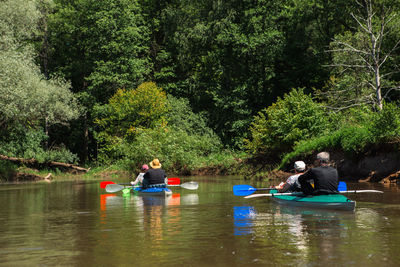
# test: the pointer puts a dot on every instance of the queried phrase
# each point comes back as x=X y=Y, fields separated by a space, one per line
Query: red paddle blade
x=105 y=183
x=174 y=181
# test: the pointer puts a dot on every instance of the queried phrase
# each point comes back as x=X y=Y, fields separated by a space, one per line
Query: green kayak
x=331 y=202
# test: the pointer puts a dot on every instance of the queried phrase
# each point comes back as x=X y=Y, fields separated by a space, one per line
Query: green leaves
x=129 y=111
x=141 y=124
x=100 y=45
x=277 y=128
x=27 y=98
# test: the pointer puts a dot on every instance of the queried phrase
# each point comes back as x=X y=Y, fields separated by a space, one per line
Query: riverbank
x=382 y=166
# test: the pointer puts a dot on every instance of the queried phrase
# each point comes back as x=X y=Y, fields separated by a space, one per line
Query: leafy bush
x=181 y=117
x=28 y=143
x=385 y=125
x=127 y=112
x=18 y=141
x=177 y=150
x=351 y=140
x=366 y=128
x=139 y=125
x=277 y=128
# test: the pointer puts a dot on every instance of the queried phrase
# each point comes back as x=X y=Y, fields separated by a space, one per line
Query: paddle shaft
x=171 y=181
x=245 y=190
x=111 y=188
x=299 y=193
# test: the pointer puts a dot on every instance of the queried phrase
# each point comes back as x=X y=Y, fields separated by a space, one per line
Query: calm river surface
x=79 y=224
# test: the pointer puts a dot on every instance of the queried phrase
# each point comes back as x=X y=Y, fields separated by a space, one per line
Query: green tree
x=27 y=99
x=279 y=127
x=101 y=46
x=309 y=27
x=183 y=144
x=129 y=112
x=223 y=54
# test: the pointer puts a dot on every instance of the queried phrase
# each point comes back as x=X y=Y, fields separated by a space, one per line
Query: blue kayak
x=330 y=202
x=157 y=191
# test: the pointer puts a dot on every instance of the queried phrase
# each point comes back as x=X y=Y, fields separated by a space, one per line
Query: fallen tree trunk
x=52 y=164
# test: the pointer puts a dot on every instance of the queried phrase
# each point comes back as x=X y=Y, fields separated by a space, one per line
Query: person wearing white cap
x=292 y=184
x=325 y=177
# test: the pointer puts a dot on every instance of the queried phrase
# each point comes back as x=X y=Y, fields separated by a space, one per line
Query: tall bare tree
x=363 y=60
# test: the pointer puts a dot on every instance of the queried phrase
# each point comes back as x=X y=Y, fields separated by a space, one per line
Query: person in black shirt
x=325 y=177
x=155 y=177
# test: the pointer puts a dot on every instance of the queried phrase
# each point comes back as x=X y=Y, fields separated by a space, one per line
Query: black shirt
x=325 y=178
x=155 y=176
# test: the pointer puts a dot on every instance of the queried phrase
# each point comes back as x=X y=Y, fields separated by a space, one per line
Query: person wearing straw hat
x=292 y=184
x=154 y=177
x=325 y=177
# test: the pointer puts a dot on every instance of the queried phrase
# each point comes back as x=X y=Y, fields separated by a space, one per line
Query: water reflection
x=309 y=234
x=243 y=219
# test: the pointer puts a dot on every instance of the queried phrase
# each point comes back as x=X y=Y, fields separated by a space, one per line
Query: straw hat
x=155 y=164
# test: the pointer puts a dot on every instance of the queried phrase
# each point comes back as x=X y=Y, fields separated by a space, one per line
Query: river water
x=78 y=224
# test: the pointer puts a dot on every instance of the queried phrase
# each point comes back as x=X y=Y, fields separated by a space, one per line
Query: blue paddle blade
x=342 y=186
x=243 y=190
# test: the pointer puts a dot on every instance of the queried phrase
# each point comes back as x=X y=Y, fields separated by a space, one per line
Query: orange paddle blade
x=105 y=183
x=174 y=181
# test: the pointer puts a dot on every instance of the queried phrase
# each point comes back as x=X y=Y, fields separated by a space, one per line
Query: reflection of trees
x=299 y=237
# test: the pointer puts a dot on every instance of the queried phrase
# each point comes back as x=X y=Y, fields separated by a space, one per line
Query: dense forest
x=197 y=84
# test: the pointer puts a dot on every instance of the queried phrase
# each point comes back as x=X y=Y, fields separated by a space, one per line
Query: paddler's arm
x=285 y=188
x=304 y=184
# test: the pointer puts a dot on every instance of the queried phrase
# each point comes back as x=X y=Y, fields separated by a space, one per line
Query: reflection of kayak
x=156 y=191
x=331 y=202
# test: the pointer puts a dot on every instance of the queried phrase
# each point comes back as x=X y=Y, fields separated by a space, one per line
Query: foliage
x=363 y=58
x=143 y=124
x=355 y=138
x=100 y=45
x=26 y=96
x=28 y=143
x=27 y=99
x=176 y=149
x=385 y=125
x=127 y=112
x=181 y=117
x=277 y=128
x=224 y=61
x=222 y=64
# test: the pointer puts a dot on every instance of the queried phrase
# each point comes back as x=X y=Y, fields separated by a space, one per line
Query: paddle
x=111 y=188
x=189 y=185
x=171 y=181
x=300 y=193
x=245 y=190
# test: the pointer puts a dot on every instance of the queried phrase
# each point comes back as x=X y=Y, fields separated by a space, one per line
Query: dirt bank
x=381 y=165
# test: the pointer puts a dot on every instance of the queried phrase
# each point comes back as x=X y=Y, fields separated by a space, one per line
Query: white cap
x=300 y=165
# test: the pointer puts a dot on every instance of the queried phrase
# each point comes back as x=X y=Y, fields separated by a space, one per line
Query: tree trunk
x=51 y=164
